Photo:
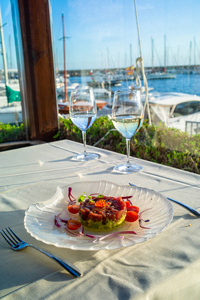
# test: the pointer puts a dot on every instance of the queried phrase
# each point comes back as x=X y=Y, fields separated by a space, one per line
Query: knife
x=192 y=210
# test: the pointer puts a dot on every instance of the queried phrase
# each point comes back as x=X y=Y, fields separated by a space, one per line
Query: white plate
x=39 y=218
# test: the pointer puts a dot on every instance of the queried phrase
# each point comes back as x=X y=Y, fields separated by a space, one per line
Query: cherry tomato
x=133 y=208
x=73 y=209
x=127 y=204
x=131 y=216
x=73 y=224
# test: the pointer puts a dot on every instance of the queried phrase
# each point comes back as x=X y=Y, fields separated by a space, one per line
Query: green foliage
x=159 y=144
x=167 y=146
x=11 y=133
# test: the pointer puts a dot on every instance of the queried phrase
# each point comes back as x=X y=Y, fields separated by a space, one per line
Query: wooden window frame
x=36 y=65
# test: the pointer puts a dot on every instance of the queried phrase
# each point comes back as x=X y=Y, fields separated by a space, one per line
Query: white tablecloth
x=165 y=267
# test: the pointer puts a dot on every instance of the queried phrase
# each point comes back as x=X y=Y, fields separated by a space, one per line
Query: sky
x=8 y=35
x=103 y=34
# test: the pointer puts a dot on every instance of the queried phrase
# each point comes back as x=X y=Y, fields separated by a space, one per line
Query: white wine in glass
x=83 y=113
x=127 y=117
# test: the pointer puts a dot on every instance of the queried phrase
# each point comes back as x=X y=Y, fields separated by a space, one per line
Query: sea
x=183 y=83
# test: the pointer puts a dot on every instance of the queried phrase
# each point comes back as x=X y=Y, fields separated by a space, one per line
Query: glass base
x=85 y=156
x=127 y=169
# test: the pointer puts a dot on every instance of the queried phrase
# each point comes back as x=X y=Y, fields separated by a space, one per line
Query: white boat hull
x=11 y=114
x=175 y=110
x=156 y=76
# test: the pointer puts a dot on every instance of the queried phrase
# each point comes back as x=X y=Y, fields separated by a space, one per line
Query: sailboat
x=161 y=74
x=10 y=100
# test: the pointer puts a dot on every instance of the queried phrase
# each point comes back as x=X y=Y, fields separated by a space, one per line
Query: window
x=10 y=97
x=186 y=108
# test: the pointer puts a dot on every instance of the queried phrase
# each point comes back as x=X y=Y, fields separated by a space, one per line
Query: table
x=164 y=267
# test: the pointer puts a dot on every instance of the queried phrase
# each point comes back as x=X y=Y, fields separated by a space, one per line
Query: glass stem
x=128 y=151
x=84 y=142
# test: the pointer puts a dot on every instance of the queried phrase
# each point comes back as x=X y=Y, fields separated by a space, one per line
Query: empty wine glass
x=83 y=113
x=127 y=117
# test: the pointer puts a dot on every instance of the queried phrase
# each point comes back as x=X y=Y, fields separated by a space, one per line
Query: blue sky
x=8 y=34
x=103 y=33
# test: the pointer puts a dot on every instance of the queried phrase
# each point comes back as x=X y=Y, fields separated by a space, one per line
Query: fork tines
x=11 y=238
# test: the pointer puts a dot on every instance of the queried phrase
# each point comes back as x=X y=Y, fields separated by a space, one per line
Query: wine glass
x=83 y=111
x=127 y=117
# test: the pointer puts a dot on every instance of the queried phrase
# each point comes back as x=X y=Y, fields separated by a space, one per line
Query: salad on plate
x=98 y=212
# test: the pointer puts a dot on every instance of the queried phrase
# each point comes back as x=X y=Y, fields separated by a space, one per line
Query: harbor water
x=183 y=83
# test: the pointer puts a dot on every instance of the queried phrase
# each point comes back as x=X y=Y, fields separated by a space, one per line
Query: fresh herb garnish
x=81 y=198
x=100 y=196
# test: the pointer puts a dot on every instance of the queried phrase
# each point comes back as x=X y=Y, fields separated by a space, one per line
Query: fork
x=17 y=244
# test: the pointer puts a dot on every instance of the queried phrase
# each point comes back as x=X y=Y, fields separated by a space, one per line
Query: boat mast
x=131 y=60
x=190 y=56
x=146 y=104
x=165 y=53
x=152 y=53
x=3 y=51
x=65 y=70
x=10 y=52
x=108 y=61
x=194 y=51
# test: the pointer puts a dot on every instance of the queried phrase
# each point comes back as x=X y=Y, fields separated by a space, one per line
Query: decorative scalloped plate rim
x=39 y=217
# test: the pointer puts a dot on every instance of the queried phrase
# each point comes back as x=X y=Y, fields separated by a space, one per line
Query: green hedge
x=154 y=143
x=11 y=133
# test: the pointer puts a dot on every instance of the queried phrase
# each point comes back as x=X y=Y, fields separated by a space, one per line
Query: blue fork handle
x=190 y=209
x=66 y=265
